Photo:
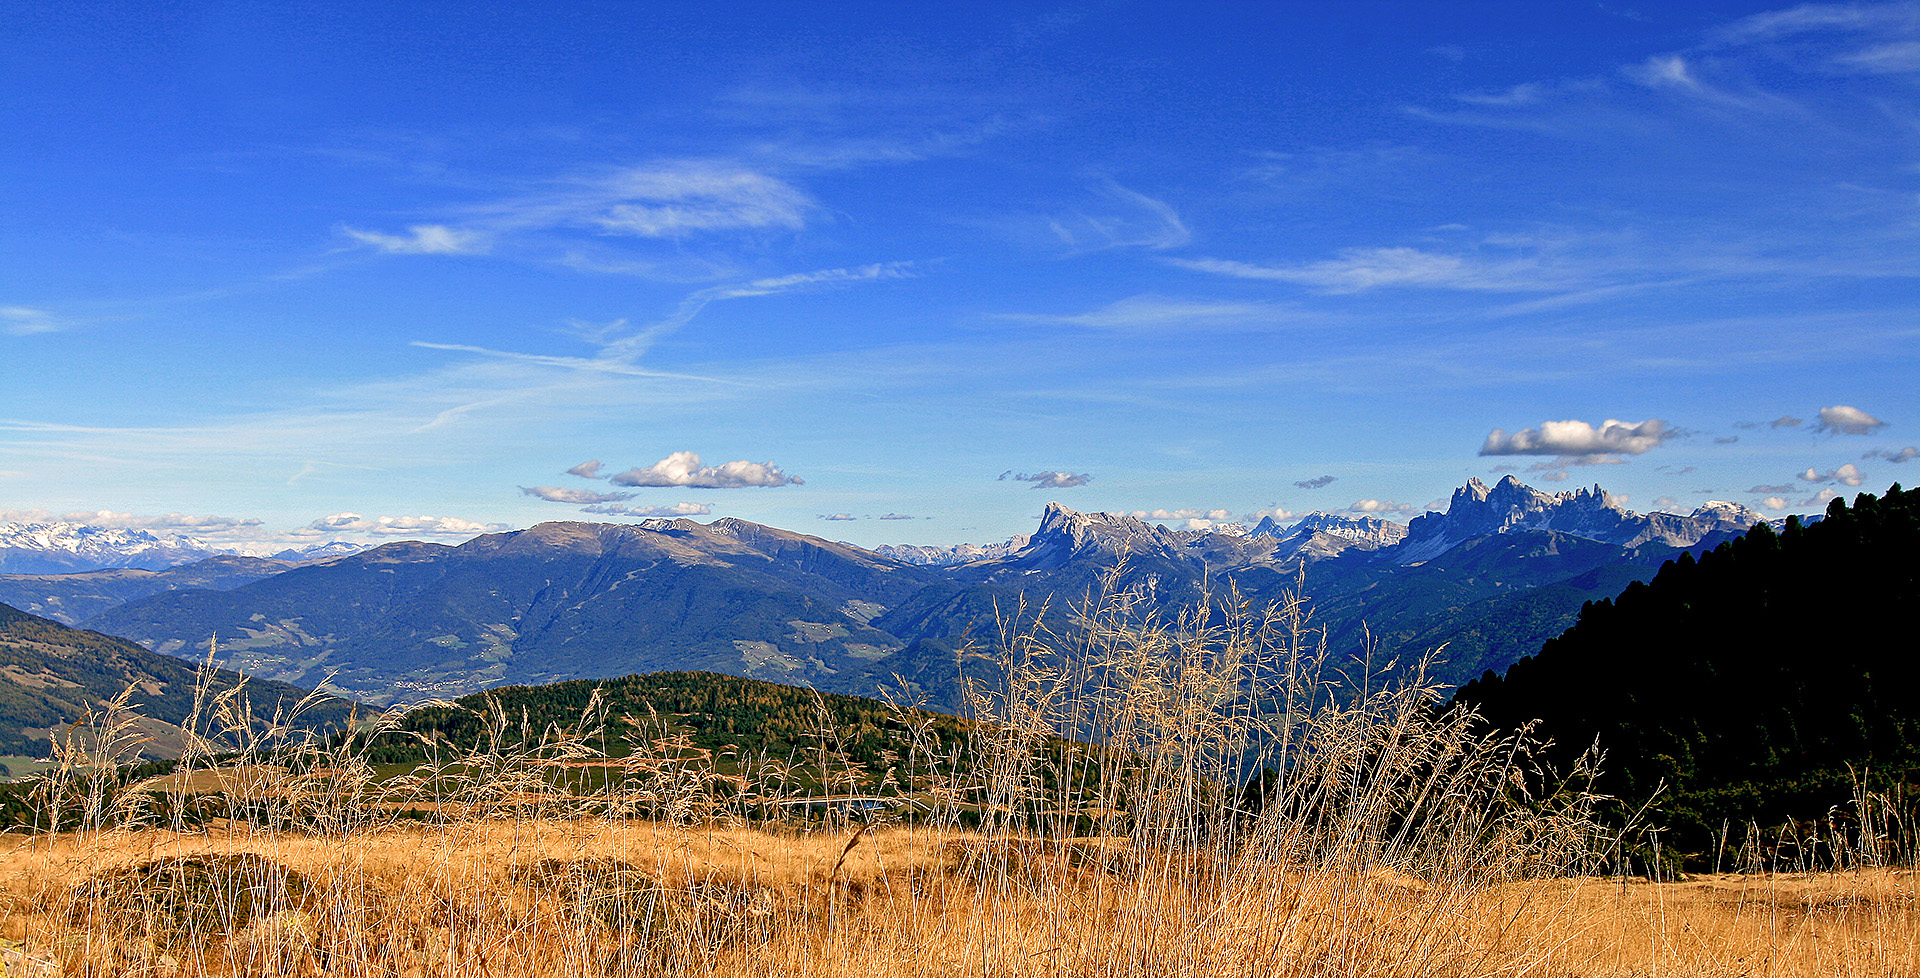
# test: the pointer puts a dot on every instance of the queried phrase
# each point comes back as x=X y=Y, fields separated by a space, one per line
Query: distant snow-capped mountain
x=1477 y=511
x=62 y=547
x=962 y=553
x=1320 y=535
x=322 y=551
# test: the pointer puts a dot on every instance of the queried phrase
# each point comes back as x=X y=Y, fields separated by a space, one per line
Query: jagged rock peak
x=1594 y=514
x=1065 y=533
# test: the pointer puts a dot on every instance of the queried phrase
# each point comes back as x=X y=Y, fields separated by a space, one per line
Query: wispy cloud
x=1317 y=482
x=838 y=517
x=587 y=470
x=1158 y=312
x=1364 y=269
x=1129 y=219
x=22 y=321
x=424 y=239
x=1904 y=455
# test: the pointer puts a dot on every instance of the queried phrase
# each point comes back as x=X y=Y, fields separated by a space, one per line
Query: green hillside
x=52 y=675
x=1753 y=683
x=730 y=726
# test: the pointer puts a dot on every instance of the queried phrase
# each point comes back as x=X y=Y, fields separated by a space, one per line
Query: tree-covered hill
x=728 y=722
x=1753 y=683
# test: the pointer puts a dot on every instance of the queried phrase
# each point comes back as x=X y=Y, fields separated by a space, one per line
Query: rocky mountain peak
x=1065 y=534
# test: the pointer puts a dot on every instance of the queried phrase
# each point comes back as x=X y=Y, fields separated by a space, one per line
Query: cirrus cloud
x=424 y=239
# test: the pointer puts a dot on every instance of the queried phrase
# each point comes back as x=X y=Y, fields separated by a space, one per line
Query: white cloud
x=1820 y=498
x=1843 y=420
x=1360 y=269
x=1578 y=439
x=21 y=321
x=1212 y=515
x=837 y=517
x=424 y=239
x=683 y=470
x=1774 y=503
x=586 y=470
x=404 y=525
x=577 y=497
x=1379 y=506
x=1846 y=475
x=896 y=516
x=677 y=509
x=1906 y=454
x=1278 y=515
x=1048 y=480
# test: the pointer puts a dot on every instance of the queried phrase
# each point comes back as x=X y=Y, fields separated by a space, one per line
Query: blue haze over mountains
x=1502 y=570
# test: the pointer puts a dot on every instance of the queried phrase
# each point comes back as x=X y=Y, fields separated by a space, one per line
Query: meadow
x=1384 y=838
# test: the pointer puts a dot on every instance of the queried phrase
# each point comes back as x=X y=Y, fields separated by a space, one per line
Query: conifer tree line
x=1762 y=686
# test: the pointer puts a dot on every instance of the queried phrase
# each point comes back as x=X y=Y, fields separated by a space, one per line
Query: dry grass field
x=1389 y=839
x=571 y=897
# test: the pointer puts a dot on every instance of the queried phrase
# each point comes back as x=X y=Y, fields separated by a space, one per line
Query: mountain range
x=1505 y=568
x=66 y=547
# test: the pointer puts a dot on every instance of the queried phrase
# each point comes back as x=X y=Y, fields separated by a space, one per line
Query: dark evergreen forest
x=1761 y=685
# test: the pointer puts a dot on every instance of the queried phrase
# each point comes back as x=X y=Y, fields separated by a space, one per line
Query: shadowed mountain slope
x=52 y=675
x=1753 y=683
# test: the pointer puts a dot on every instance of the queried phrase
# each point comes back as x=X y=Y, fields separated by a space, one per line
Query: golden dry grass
x=542 y=897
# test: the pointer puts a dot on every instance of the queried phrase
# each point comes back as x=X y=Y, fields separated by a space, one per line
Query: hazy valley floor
x=566 y=897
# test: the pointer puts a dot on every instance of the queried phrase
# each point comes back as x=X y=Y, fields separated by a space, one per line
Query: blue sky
x=282 y=273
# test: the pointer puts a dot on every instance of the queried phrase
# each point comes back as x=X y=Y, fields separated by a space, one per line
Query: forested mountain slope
x=1753 y=683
